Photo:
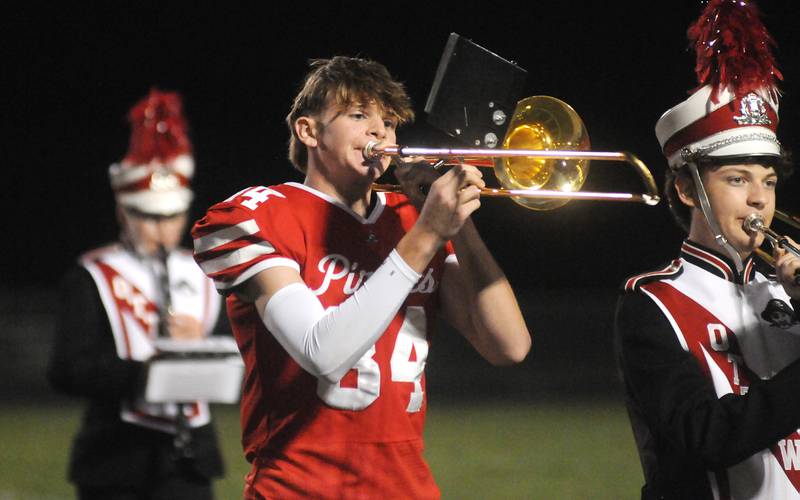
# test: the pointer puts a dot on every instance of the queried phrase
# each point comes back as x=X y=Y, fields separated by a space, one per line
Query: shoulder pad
x=672 y=271
x=253 y=197
x=96 y=253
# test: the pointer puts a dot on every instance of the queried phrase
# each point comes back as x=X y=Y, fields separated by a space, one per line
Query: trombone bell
x=544 y=123
x=544 y=160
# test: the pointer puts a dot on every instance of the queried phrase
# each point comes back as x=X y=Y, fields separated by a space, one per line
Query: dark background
x=75 y=71
x=70 y=74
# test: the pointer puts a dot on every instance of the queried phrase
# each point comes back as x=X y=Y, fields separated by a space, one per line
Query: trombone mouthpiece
x=369 y=151
x=753 y=223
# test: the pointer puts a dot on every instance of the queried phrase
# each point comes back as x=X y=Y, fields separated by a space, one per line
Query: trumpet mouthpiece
x=753 y=223
x=370 y=153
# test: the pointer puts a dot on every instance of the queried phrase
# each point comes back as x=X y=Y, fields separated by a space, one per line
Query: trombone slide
x=478 y=157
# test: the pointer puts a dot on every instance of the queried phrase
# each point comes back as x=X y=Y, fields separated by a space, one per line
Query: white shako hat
x=734 y=110
x=155 y=175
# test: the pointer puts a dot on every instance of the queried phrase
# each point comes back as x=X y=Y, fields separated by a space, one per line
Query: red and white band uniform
x=308 y=437
x=722 y=319
x=130 y=291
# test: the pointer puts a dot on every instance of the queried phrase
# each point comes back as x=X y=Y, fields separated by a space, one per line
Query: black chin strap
x=711 y=219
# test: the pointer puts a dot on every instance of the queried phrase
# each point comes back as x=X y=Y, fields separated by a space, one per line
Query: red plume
x=733 y=49
x=158 y=129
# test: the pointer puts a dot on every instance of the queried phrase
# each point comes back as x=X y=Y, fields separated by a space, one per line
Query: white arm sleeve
x=328 y=343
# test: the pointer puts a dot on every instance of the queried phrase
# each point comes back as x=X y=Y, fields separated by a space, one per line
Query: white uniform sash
x=129 y=289
x=710 y=316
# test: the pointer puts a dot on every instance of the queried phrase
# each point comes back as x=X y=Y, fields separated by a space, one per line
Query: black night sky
x=71 y=73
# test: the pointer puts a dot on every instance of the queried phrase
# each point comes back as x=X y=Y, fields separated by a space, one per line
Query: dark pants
x=180 y=487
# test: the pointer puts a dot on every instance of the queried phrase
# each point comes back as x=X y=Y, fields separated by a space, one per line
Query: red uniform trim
x=673 y=268
x=709 y=258
x=717 y=121
x=144 y=184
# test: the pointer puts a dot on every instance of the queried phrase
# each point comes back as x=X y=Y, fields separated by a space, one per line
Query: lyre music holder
x=474 y=93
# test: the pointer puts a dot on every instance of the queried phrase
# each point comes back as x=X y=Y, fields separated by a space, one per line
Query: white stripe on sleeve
x=237 y=257
x=224 y=236
x=255 y=269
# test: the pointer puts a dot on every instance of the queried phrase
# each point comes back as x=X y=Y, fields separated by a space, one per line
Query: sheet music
x=209 y=370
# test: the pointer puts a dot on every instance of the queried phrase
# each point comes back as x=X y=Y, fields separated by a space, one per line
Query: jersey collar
x=716 y=263
x=376 y=211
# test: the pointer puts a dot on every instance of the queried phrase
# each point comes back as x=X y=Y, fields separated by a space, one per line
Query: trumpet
x=166 y=295
x=183 y=436
x=543 y=161
x=754 y=223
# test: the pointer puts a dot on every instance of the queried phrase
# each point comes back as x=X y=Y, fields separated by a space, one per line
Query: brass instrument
x=787 y=218
x=754 y=223
x=166 y=295
x=543 y=162
x=183 y=437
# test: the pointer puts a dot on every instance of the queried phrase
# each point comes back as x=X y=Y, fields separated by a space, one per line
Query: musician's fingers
x=183 y=326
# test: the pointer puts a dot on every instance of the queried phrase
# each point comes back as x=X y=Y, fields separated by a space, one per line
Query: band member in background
x=116 y=302
x=711 y=381
x=333 y=290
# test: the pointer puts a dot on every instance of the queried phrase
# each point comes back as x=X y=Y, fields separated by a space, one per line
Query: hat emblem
x=754 y=111
x=163 y=180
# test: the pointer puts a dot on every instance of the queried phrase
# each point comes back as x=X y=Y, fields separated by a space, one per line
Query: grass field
x=525 y=451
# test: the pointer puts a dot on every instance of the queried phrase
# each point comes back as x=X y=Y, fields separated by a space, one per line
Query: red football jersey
x=362 y=437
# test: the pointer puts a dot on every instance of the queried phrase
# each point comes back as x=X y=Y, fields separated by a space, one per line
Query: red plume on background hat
x=734 y=110
x=154 y=177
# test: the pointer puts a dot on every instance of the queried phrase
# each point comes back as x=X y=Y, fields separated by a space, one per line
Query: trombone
x=543 y=161
x=754 y=223
x=789 y=219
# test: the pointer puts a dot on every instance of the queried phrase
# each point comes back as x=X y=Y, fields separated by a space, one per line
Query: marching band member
x=708 y=346
x=333 y=291
x=116 y=302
